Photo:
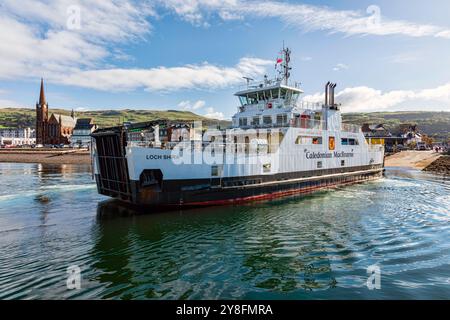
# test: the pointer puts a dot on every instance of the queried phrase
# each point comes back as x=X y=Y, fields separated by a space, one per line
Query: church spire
x=42 y=95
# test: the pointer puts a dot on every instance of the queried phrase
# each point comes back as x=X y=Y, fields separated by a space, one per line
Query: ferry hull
x=174 y=194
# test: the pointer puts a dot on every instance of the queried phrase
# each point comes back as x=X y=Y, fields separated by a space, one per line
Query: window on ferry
x=303 y=140
x=281 y=119
x=262 y=96
x=317 y=140
x=274 y=93
x=247 y=144
x=319 y=164
x=342 y=163
x=255 y=121
x=283 y=93
x=267 y=120
x=215 y=171
x=243 y=100
x=242 y=122
x=252 y=98
x=349 y=142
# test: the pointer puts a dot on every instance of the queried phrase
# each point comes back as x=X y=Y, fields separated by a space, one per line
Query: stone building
x=53 y=129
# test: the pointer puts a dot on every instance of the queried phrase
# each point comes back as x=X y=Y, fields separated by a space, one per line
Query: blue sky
x=191 y=55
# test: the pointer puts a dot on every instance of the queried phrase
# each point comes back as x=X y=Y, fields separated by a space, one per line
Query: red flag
x=279 y=60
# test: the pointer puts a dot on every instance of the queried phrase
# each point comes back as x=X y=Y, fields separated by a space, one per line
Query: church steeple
x=42 y=117
x=42 y=94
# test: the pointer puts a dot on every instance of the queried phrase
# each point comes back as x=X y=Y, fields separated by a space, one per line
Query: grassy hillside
x=434 y=124
x=23 y=117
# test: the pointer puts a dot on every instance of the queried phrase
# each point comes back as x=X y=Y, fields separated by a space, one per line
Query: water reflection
x=252 y=244
x=318 y=246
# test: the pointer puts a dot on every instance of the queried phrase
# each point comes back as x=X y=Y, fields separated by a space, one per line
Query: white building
x=82 y=132
x=17 y=136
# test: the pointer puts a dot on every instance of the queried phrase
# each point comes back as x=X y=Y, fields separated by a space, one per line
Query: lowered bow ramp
x=112 y=174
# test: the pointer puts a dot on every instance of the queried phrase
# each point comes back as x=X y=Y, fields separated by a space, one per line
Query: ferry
x=277 y=145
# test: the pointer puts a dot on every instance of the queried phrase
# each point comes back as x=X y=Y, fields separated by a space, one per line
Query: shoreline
x=45 y=156
x=412 y=159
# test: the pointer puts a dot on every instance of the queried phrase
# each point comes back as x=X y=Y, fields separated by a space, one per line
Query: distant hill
x=24 y=117
x=433 y=124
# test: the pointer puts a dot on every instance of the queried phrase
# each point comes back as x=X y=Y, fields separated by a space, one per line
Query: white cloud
x=340 y=66
x=306 y=17
x=166 y=79
x=35 y=40
x=211 y=113
x=359 y=99
x=37 y=43
x=187 y=105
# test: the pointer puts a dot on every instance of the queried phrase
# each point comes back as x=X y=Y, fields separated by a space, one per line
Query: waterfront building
x=53 y=129
x=17 y=136
x=81 y=134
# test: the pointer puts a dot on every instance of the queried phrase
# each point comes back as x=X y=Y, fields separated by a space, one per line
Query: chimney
x=327 y=85
x=333 y=85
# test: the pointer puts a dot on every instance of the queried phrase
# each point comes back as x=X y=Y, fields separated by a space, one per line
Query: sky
x=192 y=54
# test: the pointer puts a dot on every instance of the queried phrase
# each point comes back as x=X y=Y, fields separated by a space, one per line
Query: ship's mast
x=286 y=68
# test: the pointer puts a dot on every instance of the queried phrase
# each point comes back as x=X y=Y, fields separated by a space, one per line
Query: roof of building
x=84 y=123
x=65 y=121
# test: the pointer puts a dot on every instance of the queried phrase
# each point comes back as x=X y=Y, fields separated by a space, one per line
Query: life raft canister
x=269 y=105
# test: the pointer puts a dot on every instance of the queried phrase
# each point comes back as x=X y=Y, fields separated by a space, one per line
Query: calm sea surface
x=313 y=247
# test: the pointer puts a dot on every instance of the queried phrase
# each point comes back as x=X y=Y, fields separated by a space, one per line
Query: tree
x=428 y=140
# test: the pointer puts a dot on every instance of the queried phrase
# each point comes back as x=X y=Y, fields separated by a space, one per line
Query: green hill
x=23 y=117
x=434 y=124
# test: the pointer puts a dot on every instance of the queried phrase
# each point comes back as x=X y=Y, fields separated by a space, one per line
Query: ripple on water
x=312 y=246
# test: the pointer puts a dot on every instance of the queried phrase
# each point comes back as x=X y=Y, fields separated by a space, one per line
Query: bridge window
x=274 y=93
x=255 y=121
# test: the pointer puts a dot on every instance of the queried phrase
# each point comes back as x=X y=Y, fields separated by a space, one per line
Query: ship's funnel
x=327 y=87
x=332 y=86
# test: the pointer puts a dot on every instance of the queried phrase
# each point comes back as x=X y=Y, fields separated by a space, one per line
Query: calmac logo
x=331 y=143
